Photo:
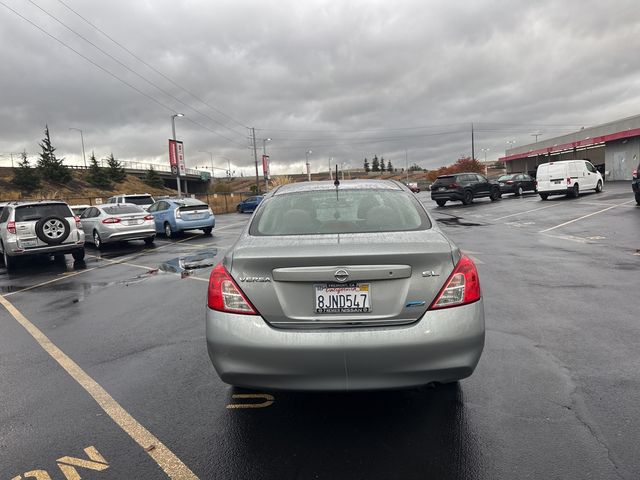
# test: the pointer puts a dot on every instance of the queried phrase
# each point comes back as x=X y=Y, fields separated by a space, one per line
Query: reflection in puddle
x=187 y=264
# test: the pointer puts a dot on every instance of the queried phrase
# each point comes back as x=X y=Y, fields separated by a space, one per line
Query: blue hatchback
x=250 y=204
x=173 y=215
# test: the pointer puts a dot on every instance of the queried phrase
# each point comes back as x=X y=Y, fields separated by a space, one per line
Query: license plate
x=556 y=181
x=502 y=184
x=442 y=188
x=28 y=243
x=132 y=222
x=197 y=215
x=343 y=298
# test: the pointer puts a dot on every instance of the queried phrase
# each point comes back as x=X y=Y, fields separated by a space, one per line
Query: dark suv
x=463 y=187
x=635 y=183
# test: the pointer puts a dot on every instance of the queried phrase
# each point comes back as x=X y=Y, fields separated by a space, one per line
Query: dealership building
x=614 y=148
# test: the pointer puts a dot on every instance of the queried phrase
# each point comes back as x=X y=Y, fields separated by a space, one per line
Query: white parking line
x=585 y=216
x=526 y=211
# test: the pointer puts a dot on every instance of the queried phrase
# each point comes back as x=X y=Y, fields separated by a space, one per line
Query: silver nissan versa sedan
x=343 y=287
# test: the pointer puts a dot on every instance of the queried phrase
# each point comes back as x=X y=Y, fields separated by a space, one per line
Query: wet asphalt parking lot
x=104 y=371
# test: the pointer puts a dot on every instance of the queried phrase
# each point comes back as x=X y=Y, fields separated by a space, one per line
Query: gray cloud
x=346 y=79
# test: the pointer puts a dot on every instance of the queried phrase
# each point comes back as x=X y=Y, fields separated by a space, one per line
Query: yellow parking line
x=165 y=458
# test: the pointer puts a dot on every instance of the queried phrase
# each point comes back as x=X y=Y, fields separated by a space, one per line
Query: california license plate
x=343 y=298
x=28 y=243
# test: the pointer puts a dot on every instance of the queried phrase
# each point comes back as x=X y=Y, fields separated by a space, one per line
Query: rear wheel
x=168 y=231
x=207 y=230
x=638 y=198
x=544 y=196
x=468 y=197
x=97 y=241
x=149 y=240
x=599 y=187
x=519 y=191
x=9 y=262
x=441 y=203
x=575 y=193
x=78 y=255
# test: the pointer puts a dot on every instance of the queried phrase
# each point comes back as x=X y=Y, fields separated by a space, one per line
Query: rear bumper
x=132 y=235
x=443 y=346
x=560 y=191
x=447 y=195
x=182 y=224
x=14 y=251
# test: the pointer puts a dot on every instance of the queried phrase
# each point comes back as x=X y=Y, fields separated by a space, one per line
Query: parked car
x=117 y=222
x=463 y=187
x=249 y=204
x=343 y=288
x=635 y=184
x=173 y=215
x=144 y=200
x=568 y=177
x=37 y=228
x=413 y=187
x=517 y=183
x=78 y=209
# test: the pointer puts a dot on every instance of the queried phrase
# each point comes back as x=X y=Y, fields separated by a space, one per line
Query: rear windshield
x=504 y=178
x=445 y=180
x=121 y=209
x=28 y=213
x=344 y=211
x=185 y=202
x=139 y=199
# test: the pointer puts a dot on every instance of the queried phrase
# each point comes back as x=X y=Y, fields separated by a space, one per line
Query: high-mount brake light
x=461 y=288
x=224 y=294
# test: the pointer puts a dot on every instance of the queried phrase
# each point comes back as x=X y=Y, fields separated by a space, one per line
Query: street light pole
x=308 y=166
x=173 y=130
x=266 y=166
x=84 y=157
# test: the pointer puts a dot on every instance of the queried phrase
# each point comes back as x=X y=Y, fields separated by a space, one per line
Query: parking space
x=553 y=396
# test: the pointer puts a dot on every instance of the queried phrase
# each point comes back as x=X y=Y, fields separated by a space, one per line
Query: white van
x=568 y=177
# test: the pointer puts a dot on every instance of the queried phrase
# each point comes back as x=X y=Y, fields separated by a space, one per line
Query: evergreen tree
x=367 y=167
x=97 y=176
x=375 y=164
x=51 y=167
x=115 y=171
x=382 y=165
x=25 y=177
x=153 y=179
x=389 y=166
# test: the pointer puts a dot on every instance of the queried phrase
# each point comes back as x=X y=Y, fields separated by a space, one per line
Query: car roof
x=344 y=184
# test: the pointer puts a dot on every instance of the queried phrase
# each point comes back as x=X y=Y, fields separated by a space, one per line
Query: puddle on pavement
x=454 y=221
x=187 y=264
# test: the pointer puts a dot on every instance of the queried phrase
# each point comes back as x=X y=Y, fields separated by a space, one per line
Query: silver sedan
x=117 y=222
x=346 y=287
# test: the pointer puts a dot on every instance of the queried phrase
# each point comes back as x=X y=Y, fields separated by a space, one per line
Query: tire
x=599 y=187
x=519 y=191
x=544 y=196
x=495 y=195
x=468 y=198
x=575 y=193
x=53 y=230
x=638 y=198
x=149 y=240
x=168 y=231
x=207 y=230
x=78 y=255
x=238 y=209
x=97 y=241
x=441 y=203
x=9 y=262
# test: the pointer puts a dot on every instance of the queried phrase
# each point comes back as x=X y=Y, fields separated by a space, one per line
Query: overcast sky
x=344 y=79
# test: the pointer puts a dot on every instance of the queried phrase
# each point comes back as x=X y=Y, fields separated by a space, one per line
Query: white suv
x=36 y=228
x=143 y=200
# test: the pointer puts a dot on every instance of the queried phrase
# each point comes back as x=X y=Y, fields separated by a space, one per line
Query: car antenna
x=336 y=182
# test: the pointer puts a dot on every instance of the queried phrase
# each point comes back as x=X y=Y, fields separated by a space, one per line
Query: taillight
x=177 y=213
x=535 y=183
x=11 y=227
x=77 y=219
x=635 y=173
x=225 y=295
x=454 y=185
x=111 y=220
x=148 y=217
x=509 y=182
x=568 y=180
x=462 y=286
